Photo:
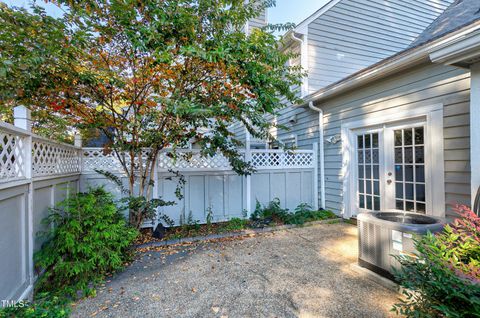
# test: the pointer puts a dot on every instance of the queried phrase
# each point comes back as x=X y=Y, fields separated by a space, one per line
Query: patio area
x=301 y=272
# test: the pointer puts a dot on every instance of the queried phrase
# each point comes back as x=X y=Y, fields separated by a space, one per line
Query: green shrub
x=444 y=279
x=45 y=306
x=88 y=240
x=302 y=213
x=235 y=224
x=272 y=211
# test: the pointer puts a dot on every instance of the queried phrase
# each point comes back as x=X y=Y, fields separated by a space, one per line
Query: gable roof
x=391 y=65
x=458 y=14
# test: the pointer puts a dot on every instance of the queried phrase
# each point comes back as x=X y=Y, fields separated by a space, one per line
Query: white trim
x=475 y=130
x=434 y=158
x=302 y=27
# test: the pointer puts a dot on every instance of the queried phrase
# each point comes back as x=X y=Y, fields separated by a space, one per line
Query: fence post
x=156 y=192
x=22 y=119
x=315 y=176
x=78 y=142
x=248 y=178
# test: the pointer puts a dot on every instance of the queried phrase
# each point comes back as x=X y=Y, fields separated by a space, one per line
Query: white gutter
x=321 y=151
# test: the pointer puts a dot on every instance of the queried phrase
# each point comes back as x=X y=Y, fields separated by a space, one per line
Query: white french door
x=390 y=168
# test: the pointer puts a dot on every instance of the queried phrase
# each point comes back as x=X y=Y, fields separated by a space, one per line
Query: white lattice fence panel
x=99 y=159
x=49 y=158
x=12 y=158
x=96 y=158
x=280 y=160
x=192 y=160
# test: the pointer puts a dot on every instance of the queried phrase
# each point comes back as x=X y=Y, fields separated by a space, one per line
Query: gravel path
x=301 y=272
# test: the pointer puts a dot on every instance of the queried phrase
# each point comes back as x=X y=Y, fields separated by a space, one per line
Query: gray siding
x=355 y=34
x=427 y=85
x=260 y=21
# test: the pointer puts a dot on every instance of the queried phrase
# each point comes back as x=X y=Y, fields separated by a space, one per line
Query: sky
x=285 y=10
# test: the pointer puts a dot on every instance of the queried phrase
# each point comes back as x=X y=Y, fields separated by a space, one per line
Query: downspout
x=321 y=151
x=303 y=61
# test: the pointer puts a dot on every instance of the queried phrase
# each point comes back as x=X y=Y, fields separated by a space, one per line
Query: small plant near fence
x=89 y=239
x=271 y=214
x=444 y=279
x=274 y=213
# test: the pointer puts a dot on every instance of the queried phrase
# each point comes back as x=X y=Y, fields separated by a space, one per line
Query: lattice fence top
x=282 y=160
x=12 y=156
x=192 y=160
x=50 y=158
x=96 y=158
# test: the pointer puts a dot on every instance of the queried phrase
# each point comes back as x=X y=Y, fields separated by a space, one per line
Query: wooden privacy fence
x=36 y=173
x=211 y=185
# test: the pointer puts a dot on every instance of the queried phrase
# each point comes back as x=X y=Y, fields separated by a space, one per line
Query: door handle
x=389 y=181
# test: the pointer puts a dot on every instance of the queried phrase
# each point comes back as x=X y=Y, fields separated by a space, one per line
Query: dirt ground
x=301 y=272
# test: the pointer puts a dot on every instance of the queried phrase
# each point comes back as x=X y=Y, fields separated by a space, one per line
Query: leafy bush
x=302 y=213
x=444 y=279
x=45 y=306
x=89 y=239
x=235 y=224
x=273 y=211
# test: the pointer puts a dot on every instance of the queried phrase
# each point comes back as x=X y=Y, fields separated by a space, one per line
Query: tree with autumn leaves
x=150 y=75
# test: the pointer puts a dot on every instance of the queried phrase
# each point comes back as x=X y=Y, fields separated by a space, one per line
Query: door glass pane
x=419 y=155
x=369 y=202
x=399 y=190
x=376 y=172
x=410 y=169
x=399 y=204
x=409 y=173
x=407 y=137
x=398 y=172
x=419 y=136
x=376 y=203
x=374 y=140
x=368 y=159
x=398 y=155
x=398 y=137
x=375 y=158
x=408 y=155
x=419 y=173
x=420 y=192
x=376 y=187
x=409 y=191
x=360 y=142
x=367 y=141
x=360 y=156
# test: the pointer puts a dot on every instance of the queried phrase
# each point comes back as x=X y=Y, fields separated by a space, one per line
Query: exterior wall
x=355 y=34
x=427 y=85
x=260 y=21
